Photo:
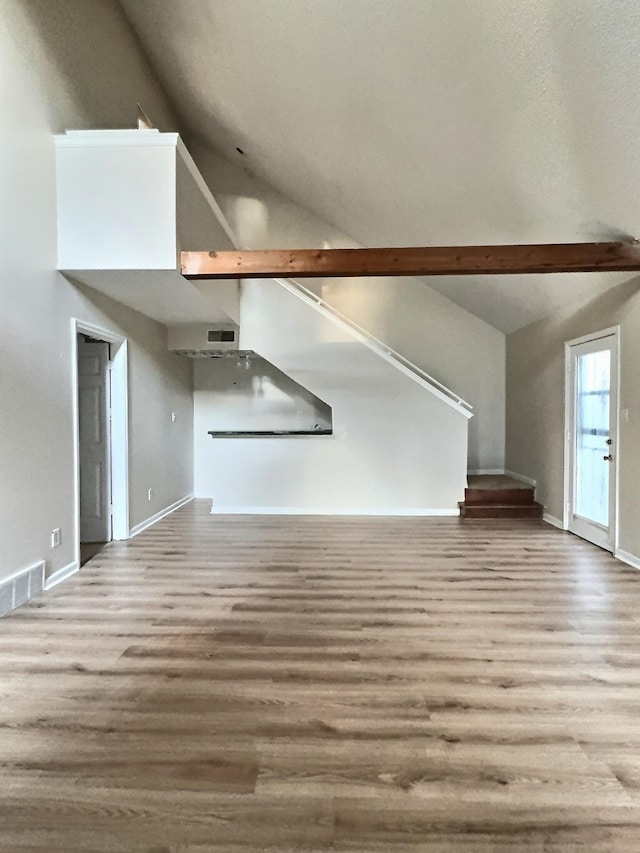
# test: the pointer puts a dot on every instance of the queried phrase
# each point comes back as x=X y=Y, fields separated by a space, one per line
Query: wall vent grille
x=215 y=336
x=21 y=587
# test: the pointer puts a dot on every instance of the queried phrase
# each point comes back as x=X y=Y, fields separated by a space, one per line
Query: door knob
x=608 y=458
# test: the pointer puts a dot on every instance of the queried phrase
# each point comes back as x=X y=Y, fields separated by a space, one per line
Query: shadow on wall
x=98 y=70
x=243 y=392
x=544 y=365
x=609 y=306
x=612 y=302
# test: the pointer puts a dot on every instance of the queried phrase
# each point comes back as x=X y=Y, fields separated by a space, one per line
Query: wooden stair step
x=501 y=510
x=499 y=496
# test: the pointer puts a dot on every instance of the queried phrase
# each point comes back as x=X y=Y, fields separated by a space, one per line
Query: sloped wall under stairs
x=397 y=448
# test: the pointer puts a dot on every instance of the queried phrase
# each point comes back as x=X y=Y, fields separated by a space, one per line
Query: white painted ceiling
x=424 y=122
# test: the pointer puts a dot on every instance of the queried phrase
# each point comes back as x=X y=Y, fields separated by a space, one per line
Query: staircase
x=499 y=496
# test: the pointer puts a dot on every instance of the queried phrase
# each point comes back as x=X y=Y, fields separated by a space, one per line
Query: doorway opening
x=100 y=438
x=591 y=452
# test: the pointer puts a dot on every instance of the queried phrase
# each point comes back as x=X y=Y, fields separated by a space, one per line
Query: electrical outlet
x=149 y=494
x=55 y=537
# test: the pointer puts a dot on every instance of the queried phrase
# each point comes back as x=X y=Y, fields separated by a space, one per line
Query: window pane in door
x=592 y=432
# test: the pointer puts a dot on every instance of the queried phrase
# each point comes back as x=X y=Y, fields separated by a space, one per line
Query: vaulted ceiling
x=424 y=122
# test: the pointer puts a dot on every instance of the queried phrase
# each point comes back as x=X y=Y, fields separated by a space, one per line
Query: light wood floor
x=290 y=684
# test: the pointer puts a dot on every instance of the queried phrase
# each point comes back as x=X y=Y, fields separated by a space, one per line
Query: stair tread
x=485 y=504
x=493 y=482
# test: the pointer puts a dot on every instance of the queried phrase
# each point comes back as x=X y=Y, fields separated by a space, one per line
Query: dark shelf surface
x=268 y=432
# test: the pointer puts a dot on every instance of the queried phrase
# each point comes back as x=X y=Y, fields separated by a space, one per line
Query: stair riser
x=488 y=511
x=499 y=496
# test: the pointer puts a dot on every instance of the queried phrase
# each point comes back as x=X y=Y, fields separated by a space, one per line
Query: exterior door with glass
x=592 y=386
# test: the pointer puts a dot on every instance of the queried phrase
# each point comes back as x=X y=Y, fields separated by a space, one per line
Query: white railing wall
x=378 y=346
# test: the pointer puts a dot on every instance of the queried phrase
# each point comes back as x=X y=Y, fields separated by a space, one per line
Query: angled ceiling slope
x=424 y=122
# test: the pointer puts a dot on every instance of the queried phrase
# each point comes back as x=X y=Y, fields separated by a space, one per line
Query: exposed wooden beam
x=440 y=260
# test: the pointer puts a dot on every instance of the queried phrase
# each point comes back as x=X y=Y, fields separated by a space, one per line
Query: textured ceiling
x=424 y=122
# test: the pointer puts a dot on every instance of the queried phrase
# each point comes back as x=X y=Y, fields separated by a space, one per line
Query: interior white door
x=94 y=435
x=593 y=430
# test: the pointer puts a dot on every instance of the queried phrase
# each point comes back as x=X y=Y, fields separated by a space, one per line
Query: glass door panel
x=592 y=430
x=593 y=392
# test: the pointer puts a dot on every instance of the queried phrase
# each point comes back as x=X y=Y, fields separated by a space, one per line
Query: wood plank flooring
x=309 y=684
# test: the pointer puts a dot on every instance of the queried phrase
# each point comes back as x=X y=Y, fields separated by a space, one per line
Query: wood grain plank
x=288 y=684
x=432 y=260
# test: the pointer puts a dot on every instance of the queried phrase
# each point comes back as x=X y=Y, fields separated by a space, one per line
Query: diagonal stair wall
x=399 y=444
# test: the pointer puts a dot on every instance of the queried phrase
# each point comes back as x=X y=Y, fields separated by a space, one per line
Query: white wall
x=464 y=353
x=69 y=64
x=396 y=447
x=116 y=202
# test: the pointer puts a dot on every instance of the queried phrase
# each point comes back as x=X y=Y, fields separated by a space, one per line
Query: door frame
x=569 y=401
x=119 y=431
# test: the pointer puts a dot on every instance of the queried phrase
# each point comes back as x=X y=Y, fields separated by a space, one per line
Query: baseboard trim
x=61 y=575
x=551 y=519
x=520 y=477
x=39 y=564
x=154 y=519
x=627 y=557
x=296 y=510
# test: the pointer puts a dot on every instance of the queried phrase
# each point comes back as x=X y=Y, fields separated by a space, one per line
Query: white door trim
x=119 y=427
x=612 y=331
